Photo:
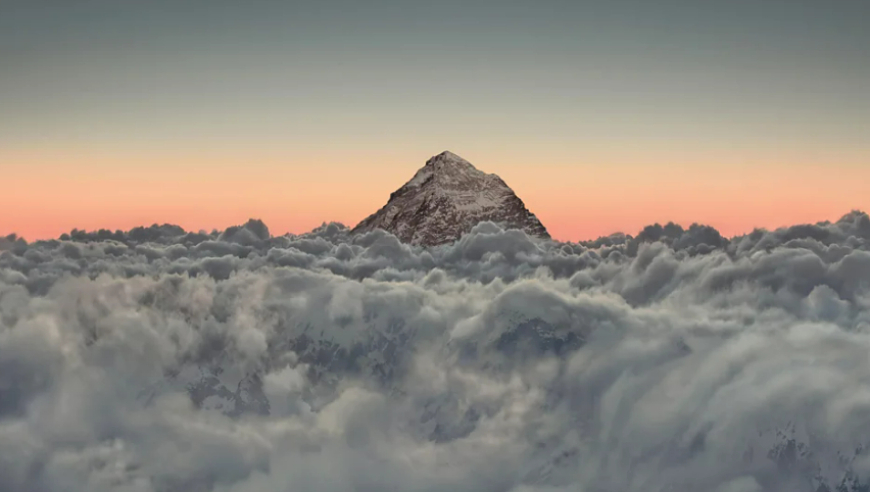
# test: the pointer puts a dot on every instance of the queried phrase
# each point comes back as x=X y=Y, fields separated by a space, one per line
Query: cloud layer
x=675 y=360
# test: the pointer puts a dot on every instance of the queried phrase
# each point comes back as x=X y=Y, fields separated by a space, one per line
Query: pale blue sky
x=268 y=71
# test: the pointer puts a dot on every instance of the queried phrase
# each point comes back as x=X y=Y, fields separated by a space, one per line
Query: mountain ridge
x=445 y=199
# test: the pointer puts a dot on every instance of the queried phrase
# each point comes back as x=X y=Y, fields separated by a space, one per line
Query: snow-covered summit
x=448 y=159
x=445 y=199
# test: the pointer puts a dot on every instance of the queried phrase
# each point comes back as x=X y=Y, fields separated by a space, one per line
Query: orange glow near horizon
x=48 y=193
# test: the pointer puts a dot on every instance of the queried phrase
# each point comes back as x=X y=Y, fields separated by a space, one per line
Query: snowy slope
x=445 y=199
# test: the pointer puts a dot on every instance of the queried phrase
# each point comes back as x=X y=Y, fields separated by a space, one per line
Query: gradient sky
x=603 y=116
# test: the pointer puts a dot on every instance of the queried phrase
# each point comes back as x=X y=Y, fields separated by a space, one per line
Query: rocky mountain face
x=445 y=199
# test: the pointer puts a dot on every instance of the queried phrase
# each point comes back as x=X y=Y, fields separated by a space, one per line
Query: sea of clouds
x=676 y=360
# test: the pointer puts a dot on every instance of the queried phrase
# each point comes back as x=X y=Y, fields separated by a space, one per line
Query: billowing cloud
x=676 y=360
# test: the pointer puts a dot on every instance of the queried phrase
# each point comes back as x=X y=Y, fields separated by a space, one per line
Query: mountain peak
x=447 y=157
x=448 y=163
x=445 y=199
